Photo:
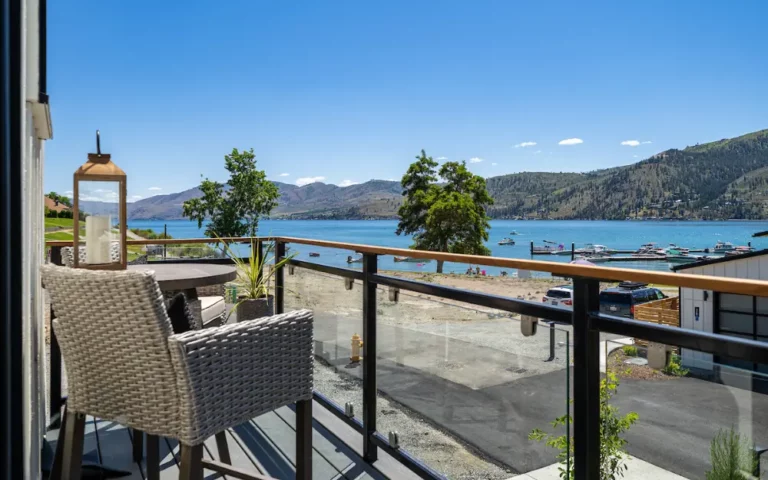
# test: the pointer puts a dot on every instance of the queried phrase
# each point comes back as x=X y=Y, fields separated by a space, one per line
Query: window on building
x=745 y=317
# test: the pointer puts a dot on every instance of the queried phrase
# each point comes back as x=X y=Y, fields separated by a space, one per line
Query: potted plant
x=254 y=280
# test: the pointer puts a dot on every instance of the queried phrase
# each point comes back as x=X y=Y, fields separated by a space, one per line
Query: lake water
x=621 y=235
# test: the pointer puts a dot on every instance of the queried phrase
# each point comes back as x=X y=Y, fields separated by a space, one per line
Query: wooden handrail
x=701 y=282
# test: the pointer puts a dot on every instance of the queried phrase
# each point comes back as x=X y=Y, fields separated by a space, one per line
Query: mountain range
x=719 y=180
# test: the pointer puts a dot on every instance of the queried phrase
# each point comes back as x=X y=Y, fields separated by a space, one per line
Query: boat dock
x=537 y=250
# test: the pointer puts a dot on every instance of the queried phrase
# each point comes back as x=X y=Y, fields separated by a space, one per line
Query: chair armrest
x=227 y=375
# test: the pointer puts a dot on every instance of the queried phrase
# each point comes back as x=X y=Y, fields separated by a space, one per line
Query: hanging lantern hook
x=98 y=143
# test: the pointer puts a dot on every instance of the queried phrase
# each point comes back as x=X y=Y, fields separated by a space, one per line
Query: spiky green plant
x=732 y=456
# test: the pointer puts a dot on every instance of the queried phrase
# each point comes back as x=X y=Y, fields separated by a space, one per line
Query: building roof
x=728 y=258
x=54 y=205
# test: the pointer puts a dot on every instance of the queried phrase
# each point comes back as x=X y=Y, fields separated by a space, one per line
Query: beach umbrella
x=581 y=261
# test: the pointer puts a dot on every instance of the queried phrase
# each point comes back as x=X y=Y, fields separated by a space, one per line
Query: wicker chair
x=68 y=257
x=124 y=365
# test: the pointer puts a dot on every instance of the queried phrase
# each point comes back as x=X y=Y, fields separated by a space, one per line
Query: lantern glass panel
x=99 y=230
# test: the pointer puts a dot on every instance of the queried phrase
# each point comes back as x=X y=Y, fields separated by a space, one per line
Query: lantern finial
x=98 y=143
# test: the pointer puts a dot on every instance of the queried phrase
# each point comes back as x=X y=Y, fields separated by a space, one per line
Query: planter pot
x=251 y=309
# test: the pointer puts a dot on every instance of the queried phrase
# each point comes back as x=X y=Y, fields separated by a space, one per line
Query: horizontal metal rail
x=336 y=410
x=523 y=307
x=319 y=267
x=723 y=345
x=757 y=288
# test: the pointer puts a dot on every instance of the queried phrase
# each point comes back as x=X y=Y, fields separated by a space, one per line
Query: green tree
x=446 y=217
x=234 y=208
x=612 y=444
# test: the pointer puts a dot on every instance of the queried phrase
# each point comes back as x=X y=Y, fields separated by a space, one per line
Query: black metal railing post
x=279 y=278
x=586 y=380
x=55 y=359
x=370 y=267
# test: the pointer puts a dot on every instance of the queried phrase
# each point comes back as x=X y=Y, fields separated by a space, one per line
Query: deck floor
x=265 y=444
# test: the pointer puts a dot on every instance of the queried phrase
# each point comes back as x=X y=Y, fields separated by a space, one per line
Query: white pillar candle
x=97 y=238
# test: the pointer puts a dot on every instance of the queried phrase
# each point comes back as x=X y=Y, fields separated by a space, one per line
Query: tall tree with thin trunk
x=234 y=208
x=447 y=216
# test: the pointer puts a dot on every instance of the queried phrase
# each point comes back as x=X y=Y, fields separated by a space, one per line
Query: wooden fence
x=665 y=312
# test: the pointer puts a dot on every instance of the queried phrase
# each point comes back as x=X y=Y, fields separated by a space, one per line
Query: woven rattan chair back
x=113 y=331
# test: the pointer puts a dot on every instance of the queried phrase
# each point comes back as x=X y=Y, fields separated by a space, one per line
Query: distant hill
x=718 y=180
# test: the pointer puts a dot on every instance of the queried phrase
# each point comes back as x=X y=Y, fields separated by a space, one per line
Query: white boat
x=722 y=247
x=590 y=248
x=514 y=232
x=507 y=241
x=356 y=259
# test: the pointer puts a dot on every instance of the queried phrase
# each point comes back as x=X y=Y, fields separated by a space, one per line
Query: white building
x=736 y=315
x=25 y=124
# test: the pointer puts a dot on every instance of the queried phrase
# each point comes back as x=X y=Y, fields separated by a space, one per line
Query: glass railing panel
x=692 y=414
x=337 y=324
x=464 y=388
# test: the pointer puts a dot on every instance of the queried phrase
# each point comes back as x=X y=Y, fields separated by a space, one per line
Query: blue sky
x=349 y=90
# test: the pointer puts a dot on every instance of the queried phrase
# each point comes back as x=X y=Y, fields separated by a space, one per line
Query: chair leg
x=304 y=440
x=191 y=466
x=153 y=457
x=138 y=445
x=223 y=448
x=72 y=455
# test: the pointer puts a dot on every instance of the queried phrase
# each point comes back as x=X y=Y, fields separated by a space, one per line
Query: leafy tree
x=612 y=444
x=64 y=200
x=444 y=217
x=234 y=208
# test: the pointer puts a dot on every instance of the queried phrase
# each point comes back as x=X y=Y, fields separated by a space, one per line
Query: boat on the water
x=514 y=232
x=591 y=248
x=507 y=241
x=355 y=259
x=412 y=260
x=679 y=256
x=722 y=247
x=314 y=254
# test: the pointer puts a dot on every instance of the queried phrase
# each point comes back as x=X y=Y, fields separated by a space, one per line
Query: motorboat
x=514 y=232
x=507 y=241
x=591 y=248
x=355 y=259
x=412 y=260
x=722 y=247
x=314 y=254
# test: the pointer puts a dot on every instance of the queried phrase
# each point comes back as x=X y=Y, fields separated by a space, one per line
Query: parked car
x=561 y=295
x=621 y=301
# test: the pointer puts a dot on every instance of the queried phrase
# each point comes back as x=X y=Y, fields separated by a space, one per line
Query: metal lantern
x=101 y=244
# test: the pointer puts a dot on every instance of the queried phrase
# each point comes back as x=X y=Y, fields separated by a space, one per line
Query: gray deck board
x=283 y=437
x=264 y=445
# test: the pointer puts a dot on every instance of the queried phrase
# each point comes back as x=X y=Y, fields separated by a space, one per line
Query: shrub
x=732 y=456
x=674 y=368
x=612 y=444
x=629 y=350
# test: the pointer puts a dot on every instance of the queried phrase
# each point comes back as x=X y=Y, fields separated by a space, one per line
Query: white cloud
x=571 y=141
x=137 y=197
x=346 y=183
x=537 y=152
x=635 y=156
x=525 y=144
x=285 y=175
x=475 y=160
x=442 y=158
x=494 y=164
x=646 y=142
x=154 y=189
x=301 y=181
x=630 y=143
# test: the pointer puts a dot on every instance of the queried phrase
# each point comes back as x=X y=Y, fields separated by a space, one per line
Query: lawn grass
x=59 y=222
x=58 y=236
